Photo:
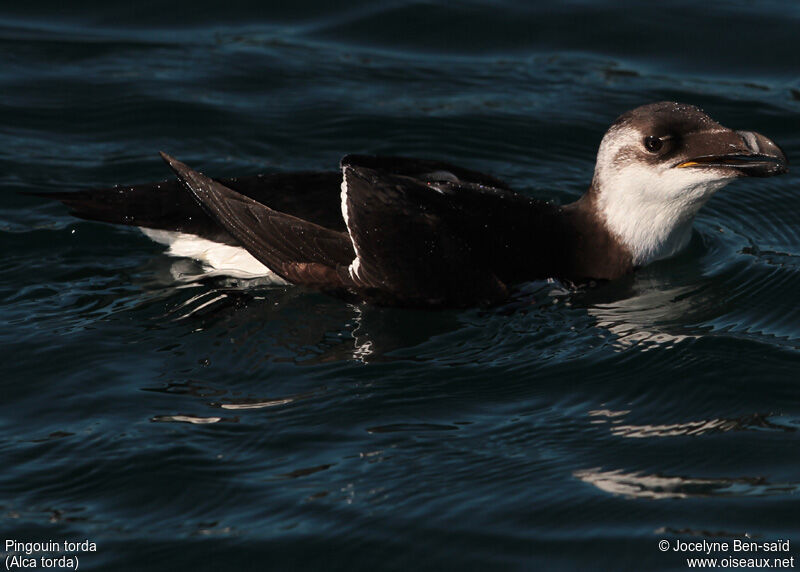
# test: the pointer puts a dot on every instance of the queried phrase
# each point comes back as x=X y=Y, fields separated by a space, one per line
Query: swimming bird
x=422 y=233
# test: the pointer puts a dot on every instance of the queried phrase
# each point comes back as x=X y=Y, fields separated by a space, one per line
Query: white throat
x=650 y=230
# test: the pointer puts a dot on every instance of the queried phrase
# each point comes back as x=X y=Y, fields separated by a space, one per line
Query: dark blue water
x=217 y=424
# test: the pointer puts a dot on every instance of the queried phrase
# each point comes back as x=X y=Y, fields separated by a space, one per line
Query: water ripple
x=148 y=404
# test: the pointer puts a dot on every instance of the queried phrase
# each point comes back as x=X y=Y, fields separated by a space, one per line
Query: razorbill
x=414 y=232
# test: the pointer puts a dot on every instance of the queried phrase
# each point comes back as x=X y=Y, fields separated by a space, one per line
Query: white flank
x=222 y=258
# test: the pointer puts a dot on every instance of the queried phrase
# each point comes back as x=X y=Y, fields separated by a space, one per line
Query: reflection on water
x=363 y=346
x=645 y=318
x=194 y=419
x=250 y=403
x=690 y=428
x=701 y=427
x=653 y=486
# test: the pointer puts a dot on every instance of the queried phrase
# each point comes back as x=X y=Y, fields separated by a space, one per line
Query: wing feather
x=297 y=250
x=443 y=236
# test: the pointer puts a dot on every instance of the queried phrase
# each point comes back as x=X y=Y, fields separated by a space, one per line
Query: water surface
x=223 y=424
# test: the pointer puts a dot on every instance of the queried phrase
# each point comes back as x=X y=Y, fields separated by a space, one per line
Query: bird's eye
x=653 y=143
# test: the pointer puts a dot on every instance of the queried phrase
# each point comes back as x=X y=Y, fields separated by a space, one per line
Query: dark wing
x=449 y=241
x=297 y=250
x=424 y=170
x=167 y=205
x=427 y=240
x=311 y=196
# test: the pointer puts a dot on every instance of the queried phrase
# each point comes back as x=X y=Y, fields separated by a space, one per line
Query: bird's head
x=658 y=165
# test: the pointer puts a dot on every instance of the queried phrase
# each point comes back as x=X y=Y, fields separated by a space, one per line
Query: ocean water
x=189 y=422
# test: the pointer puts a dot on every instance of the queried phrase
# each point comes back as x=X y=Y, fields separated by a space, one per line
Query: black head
x=679 y=135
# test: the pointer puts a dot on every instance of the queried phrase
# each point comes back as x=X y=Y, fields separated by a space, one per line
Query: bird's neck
x=595 y=251
x=648 y=229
